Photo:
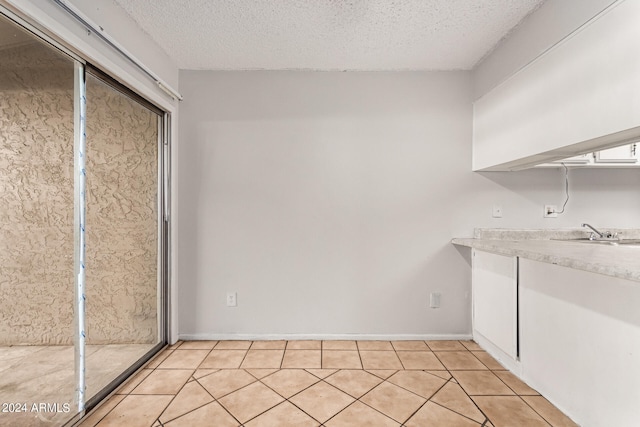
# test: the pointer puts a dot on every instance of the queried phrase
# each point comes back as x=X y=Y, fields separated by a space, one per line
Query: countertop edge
x=576 y=255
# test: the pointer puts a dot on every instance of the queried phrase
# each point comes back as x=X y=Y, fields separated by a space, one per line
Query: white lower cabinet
x=495 y=304
x=580 y=342
x=572 y=335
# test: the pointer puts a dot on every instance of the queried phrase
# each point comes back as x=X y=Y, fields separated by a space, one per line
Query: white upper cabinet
x=580 y=96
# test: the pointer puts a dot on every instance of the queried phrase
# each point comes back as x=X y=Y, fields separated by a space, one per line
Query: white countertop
x=617 y=261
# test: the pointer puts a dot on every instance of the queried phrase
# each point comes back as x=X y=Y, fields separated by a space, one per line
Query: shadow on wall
x=606 y=196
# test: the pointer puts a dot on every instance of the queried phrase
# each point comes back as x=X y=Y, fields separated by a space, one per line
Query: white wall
x=327 y=201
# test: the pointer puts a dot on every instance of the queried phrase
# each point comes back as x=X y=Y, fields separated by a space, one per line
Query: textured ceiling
x=328 y=34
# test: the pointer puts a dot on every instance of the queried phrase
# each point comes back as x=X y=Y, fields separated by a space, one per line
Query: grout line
x=398 y=356
x=533 y=409
x=456 y=412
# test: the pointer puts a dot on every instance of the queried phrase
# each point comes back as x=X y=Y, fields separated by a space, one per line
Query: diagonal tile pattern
x=325 y=383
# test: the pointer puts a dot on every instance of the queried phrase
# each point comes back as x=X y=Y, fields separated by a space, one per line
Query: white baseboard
x=327 y=337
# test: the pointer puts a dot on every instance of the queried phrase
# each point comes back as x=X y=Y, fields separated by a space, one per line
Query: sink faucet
x=604 y=235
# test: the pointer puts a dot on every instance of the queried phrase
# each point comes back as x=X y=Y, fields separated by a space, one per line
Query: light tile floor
x=325 y=383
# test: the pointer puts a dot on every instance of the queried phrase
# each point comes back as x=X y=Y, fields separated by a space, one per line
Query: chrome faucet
x=604 y=235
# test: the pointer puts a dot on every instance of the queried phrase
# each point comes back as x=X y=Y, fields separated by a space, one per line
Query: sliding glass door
x=83 y=231
x=124 y=269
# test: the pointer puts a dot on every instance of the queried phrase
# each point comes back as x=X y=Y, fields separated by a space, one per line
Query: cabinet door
x=495 y=300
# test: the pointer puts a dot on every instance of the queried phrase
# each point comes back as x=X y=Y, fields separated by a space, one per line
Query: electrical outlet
x=232 y=299
x=434 y=300
x=550 y=211
x=497 y=211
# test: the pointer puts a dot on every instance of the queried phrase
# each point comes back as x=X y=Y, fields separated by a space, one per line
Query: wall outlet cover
x=434 y=300
x=232 y=299
x=550 y=211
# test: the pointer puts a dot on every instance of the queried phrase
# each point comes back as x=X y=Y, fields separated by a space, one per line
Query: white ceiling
x=328 y=34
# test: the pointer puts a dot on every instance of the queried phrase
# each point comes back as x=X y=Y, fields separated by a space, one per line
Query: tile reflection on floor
x=45 y=375
x=325 y=383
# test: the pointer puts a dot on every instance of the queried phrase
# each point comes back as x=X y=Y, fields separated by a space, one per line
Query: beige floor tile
x=153 y=363
x=431 y=414
x=374 y=345
x=382 y=373
x=223 y=359
x=471 y=345
x=250 y=401
x=419 y=382
x=192 y=396
x=287 y=382
x=163 y=381
x=321 y=373
x=304 y=345
x=341 y=359
x=184 y=359
x=258 y=394
x=200 y=373
x=261 y=373
x=515 y=384
x=339 y=345
x=198 y=345
x=357 y=415
x=211 y=414
x=176 y=345
x=134 y=381
x=226 y=381
x=283 y=415
x=322 y=401
x=481 y=383
x=311 y=359
x=459 y=360
x=452 y=396
x=446 y=346
x=488 y=360
x=393 y=401
x=269 y=345
x=380 y=360
x=553 y=415
x=410 y=345
x=100 y=412
x=233 y=345
x=136 y=410
x=419 y=360
x=354 y=382
x=442 y=374
x=263 y=359
x=509 y=411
